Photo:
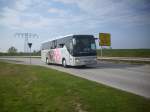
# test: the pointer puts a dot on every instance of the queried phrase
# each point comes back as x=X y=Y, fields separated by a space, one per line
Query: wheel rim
x=64 y=63
x=47 y=61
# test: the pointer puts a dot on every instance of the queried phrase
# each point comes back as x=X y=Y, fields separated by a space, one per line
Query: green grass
x=125 y=52
x=37 y=89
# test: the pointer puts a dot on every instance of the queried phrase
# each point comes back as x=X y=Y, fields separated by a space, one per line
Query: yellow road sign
x=105 y=39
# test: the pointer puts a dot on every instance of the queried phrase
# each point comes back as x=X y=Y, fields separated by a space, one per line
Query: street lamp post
x=30 y=45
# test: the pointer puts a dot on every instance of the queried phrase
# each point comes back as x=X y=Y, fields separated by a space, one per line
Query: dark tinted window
x=84 y=45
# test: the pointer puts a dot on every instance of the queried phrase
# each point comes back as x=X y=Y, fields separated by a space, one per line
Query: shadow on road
x=106 y=65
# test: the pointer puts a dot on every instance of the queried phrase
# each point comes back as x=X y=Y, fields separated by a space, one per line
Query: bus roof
x=59 y=37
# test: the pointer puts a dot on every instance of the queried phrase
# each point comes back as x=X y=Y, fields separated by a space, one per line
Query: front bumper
x=85 y=62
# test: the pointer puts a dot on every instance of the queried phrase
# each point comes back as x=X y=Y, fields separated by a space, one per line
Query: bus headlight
x=77 y=60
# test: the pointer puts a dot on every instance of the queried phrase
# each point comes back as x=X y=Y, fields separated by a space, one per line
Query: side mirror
x=74 y=41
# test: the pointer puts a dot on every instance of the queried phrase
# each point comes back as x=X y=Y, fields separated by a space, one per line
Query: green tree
x=37 y=52
x=12 y=50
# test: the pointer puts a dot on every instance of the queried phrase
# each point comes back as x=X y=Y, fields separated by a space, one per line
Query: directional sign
x=29 y=44
x=105 y=39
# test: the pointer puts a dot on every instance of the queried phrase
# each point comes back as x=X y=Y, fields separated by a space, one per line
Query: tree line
x=12 y=51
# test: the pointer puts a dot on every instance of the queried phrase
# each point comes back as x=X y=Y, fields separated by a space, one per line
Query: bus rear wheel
x=47 y=61
x=64 y=63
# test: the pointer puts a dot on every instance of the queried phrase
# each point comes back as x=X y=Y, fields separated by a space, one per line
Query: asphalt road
x=127 y=77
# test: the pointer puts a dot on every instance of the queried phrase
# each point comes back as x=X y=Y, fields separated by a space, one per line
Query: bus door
x=70 y=52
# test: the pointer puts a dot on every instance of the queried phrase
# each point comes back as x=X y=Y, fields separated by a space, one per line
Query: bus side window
x=54 y=44
x=71 y=47
x=61 y=45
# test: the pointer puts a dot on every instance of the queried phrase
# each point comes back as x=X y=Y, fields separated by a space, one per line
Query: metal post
x=30 y=44
x=101 y=52
x=30 y=55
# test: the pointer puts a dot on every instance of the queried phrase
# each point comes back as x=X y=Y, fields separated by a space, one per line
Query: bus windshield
x=84 y=45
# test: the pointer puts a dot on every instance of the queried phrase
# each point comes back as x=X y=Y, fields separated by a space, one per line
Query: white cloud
x=93 y=13
x=22 y=5
x=62 y=17
x=10 y=18
x=61 y=13
x=66 y=1
x=111 y=11
x=14 y=18
x=55 y=10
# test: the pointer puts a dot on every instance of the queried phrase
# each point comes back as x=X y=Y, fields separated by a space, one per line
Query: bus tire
x=47 y=61
x=64 y=63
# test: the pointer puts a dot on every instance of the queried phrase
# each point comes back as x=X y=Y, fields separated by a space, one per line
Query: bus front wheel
x=64 y=63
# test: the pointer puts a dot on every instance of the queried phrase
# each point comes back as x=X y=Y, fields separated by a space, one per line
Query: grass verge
x=125 y=53
x=125 y=61
x=37 y=89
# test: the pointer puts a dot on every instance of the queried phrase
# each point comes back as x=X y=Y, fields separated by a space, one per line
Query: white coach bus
x=72 y=50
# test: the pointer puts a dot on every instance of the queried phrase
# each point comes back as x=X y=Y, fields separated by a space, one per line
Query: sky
x=128 y=21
